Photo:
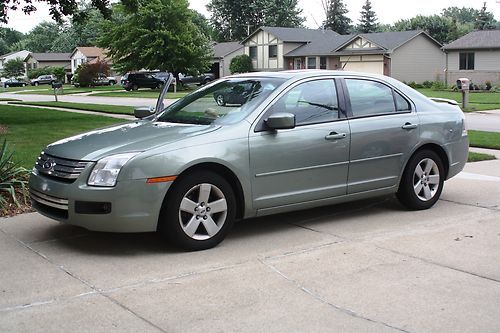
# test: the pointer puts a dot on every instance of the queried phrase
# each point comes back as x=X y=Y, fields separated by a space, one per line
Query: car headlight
x=106 y=170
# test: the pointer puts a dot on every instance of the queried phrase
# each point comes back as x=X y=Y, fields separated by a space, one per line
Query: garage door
x=375 y=67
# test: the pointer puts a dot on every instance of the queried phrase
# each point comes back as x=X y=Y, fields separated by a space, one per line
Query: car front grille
x=61 y=169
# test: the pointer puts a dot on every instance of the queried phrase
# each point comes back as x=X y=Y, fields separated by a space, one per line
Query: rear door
x=384 y=130
x=308 y=162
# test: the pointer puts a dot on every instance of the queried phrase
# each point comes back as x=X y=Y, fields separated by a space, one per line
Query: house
x=404 y=55
x=40 y=60
x=87 y=54
x=12 y=55
x=475 y=56
x=223 y=53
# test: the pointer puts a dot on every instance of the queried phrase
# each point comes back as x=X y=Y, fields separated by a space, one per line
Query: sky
x=388 y=11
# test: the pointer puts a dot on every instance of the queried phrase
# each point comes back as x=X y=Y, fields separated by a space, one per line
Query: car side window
x=402 y=104
x=311 y=102
x=369 y=98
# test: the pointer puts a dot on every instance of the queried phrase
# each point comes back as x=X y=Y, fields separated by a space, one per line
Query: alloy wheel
x=426 y=179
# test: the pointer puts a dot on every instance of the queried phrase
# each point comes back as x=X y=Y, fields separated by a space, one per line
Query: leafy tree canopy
x=58 y=8
x=234 y=20
x=143 y=40
x=436 y=26
x=13 y=68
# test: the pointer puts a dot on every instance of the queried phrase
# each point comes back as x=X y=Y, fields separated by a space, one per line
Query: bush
x=87 y=73
x=241 y=64
x=488 y=85
x=438 y=85
x=427 y=84
x=13 y=180
x=495 y=87
x=59 y=72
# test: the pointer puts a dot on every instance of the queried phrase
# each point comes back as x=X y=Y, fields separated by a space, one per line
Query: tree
x=13 y=68
x=241 y=64
x=485 y=20
x=41 y=38
x=336 y=18
x=58 y=8
x=234 y=20
x=436 y=26
x=203 y=25
x=159 y=35
x=368 y=21
x=88 y=72
x=8 y=39
x=461 y=15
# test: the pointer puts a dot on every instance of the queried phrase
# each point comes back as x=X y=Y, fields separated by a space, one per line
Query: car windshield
x=225 y=102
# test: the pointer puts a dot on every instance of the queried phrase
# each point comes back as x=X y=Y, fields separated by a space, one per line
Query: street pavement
x=483 y=120
x=369 y=266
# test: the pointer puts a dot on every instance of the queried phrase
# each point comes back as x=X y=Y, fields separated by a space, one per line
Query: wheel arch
x=223 y=171
x=438 y=150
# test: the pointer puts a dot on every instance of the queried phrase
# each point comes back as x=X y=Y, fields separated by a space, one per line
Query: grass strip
x=482 y=139
x=477 y=157
x=29 y=130
x=116 y=109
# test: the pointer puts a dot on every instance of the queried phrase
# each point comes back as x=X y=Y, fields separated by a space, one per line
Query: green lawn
x=67 y=89
x=29 y=130
x=119 y=109
x=483 y=139
x=477 y=100
x=28 y=87
x=477 y=157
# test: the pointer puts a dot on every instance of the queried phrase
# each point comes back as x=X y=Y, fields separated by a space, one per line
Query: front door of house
x=298 y=63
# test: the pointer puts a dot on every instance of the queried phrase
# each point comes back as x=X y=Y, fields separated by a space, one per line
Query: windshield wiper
x=324 y=106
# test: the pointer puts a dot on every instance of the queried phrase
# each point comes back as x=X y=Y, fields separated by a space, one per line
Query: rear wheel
x=6 y=86
x=198 y=212
x=112 y=83
x=422 y=181
x=36 y=83
x=135 y=87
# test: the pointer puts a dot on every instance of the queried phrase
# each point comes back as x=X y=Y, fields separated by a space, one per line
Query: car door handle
x=335 y=136
x=409 y=126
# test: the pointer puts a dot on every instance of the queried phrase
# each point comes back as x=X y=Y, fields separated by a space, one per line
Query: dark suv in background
x=200 y=79
x=44 y=79
x=134 y=81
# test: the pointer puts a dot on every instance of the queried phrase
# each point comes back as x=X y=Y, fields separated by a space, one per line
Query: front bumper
x=130 y=206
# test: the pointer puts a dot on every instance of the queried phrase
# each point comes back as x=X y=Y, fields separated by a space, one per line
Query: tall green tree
x=368 y=21
x=41 y=38
x=8 y=39
x=158 y=34
x=13 y=68
x=485 y=20
x=435 y=25
x=336 y=18
x=461 y=15
x=235 y=19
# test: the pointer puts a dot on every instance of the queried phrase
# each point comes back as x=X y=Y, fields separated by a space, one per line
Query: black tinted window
x=370 y=98
x=310 y=102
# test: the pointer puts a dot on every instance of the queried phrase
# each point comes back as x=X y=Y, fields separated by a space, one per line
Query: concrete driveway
x=367 y=266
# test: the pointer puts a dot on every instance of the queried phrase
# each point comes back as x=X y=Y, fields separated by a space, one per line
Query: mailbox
x=463 y=84
x=56 y=85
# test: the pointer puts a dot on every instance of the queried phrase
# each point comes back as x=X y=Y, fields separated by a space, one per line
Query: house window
x=311 y=63
x=74 y=63
x=466 y=61
x=253 y=52
x=322 y=63
x=273 y=51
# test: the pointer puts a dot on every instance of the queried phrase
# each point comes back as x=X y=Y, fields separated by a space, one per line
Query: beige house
x=223 y=54
x=406 y=55
x=87 y=54
x=40 y=60
x=475 y=56
x=12 y=56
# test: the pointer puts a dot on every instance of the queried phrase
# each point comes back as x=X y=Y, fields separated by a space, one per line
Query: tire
x=159 y=86
x=194 y=227
x=23 y=85
x=36 y=83
x=206 y=81
x=422 y=181
x=219 y=99
x=6 y=86
x=112 y=83
x=135 y=87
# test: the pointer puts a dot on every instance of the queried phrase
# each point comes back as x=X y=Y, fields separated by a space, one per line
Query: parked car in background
x=236 y=95
x=198 y=79
x=13 y=83
x=134 y=81
x=103 y=80
x=300 y=139
x=44 y=79
x=161 y=75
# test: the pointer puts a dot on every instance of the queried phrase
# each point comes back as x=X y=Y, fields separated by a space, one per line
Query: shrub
x=88 y=72
x=13 y=179
x=59 y=72
x=241 y=64
x=438 y=85
x=427 y=84
x=488 y=85
x=495 y=87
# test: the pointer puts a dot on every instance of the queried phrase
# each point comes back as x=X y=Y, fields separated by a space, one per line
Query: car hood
x=130 y=137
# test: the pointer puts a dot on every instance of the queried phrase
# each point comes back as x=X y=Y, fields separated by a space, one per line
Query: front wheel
x=422 y=181
x=198 y=212
x=135 y=87
x=219 y=99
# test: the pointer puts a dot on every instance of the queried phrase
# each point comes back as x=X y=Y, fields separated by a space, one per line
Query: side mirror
x=143 y=111
x=280 y=121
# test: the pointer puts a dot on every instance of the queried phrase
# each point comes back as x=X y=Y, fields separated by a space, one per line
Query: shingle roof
x=393 y=39
x=91 y=51
x=320 y=46
x=50 y=56
x=483 y=39
x=295 y=35
x=223 y=49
